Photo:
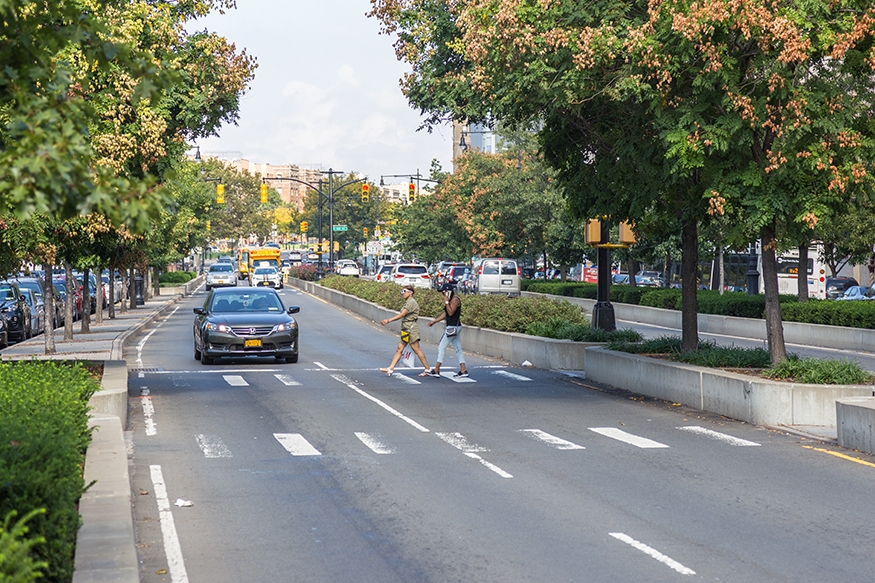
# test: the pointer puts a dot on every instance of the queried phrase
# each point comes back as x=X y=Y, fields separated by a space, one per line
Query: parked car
x=37 y=311
x=497 y=276
x=4 y=332
x=384 y=272
x=267 y=276
x=347 y=267
x=221 y=275
x=836 y=286
x=854 y=293
x=245 y=321
x=15 y=310
x=37 y=286
x=61 y=287
x=413 y=274
x=455 y=274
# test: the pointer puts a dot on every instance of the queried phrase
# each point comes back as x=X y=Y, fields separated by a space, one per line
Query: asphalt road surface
x=328 y=471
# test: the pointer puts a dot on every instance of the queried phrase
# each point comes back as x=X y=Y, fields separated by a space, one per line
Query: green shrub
x=857 y=314
x=17 y=564
x=43 y=438
x=564 y=330
x=588 y=291
x=487 y=311
x=663 y=297
x=626 y=294
x=305 y=272
x=821 y=371
x=557 y=288
x=176 y=277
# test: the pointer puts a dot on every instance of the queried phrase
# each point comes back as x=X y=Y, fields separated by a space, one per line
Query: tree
x=723 y=101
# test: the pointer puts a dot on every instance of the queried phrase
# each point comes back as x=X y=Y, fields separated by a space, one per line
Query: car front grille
x=252 y=331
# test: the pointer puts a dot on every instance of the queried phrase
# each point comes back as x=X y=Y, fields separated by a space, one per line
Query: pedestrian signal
x=220 y=193
x=366 y=192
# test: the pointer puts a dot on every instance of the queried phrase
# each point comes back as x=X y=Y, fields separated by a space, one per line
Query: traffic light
x=304 y=226
x=366 y=192
x=365 y=231
x=592 y=233
x=336 y=246
x=411 y=193
x=263 y=192
x=220 y=193
x=627 y=235
x=209 y=226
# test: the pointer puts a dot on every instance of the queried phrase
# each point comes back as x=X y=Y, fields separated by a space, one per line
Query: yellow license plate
x=256 y=343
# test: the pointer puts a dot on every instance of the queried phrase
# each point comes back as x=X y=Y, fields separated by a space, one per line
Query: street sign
x=338 y=228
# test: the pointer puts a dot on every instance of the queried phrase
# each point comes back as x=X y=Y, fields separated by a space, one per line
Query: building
x=473 y=137
x=277 y=177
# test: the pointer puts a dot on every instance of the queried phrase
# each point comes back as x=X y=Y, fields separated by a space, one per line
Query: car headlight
x=284 y=327
x=218 y=327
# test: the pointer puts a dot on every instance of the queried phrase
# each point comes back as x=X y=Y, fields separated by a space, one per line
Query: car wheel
x=209 y=288
x=292 y=359
x=197 y=354
x=206 y=360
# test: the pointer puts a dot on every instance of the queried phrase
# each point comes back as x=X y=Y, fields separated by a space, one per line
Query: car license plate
x=254 y=343
x=506 y=281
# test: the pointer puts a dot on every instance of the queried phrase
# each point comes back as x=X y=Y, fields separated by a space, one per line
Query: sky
x=325 y=92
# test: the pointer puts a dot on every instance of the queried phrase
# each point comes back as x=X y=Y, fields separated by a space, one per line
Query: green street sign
x=339 y=228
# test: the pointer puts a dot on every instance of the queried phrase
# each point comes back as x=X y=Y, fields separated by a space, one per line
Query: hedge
x=44 y=435
x=177 y=277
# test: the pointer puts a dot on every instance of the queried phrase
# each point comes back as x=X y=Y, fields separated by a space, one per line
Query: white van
x=497 y=276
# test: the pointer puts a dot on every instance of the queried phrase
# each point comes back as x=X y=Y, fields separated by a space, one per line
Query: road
x=329 y=471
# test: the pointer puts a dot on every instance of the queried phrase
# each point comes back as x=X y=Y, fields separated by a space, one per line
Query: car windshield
x=220 y=267
x=246 y=302
x=265 y=270
x=6 y=293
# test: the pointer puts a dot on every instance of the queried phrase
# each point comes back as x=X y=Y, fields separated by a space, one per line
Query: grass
x=795 y=369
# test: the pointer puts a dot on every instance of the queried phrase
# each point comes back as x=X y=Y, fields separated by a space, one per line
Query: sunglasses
x=404 y=291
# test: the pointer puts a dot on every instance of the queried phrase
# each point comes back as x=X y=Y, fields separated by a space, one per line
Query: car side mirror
x=199 y=311
x=294 y=309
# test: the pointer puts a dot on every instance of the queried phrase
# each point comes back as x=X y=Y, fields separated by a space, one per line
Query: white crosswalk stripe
x=551 y=440
x=296 y=444
x=625 y=437
x=235 y=380
x=374 y=442
x=212 y=446
x=510 y=375
x=287 y=380
x=737 y=441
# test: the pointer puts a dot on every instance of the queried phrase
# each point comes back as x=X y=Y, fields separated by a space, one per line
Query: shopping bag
x=407 y=356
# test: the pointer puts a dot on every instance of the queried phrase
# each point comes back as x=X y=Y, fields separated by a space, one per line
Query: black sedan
x=14 y=309
x=237 y=322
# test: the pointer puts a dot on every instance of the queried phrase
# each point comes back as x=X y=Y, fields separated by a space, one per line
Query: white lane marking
x=449 y=375
x=374 y=443
x=287 y=380
x=295 y=444
x=489 y=465
x=235 y=380
x=212 y=446
x=552 y=440
x=140 y=346
x=510 y=375
x=653 y=553
x=405 y=378
x=172 y=550
x=458 y=441
x=621 y=435
x=219 y=371
x=320 y=365
x=148 y=411
x=719 y=436
x=382 y=404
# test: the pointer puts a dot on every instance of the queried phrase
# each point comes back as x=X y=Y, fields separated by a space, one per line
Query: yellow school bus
x=264 y=255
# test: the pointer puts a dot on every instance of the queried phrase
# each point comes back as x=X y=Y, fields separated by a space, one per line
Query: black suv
x=39 y=287
x=14 y=308
x=442 y=270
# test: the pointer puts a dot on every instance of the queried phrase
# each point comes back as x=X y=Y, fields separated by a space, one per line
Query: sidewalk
x=106 y=544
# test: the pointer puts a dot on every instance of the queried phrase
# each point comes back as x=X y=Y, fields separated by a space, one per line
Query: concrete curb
x=106 y=549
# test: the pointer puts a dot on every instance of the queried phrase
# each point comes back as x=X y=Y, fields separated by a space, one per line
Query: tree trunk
x=86 y=303
x=774 y=325
x=68 y=309
x=50 y=311
x=802 y=273
x=632 y=267
x=689 y=301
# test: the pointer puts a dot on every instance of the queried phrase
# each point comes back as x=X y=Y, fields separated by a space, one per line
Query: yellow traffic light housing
x=209 y=226
x=264 y=188
x=627 y=235
x=304 y=226
x=592 y=234
x=366 y=192
x=411 y=192
x=220 y=193
x=336 y=246
x=365 y=231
